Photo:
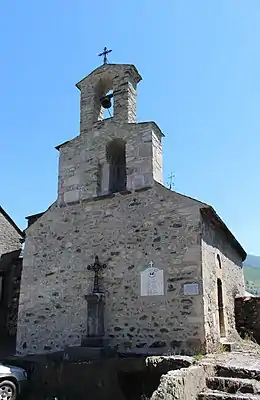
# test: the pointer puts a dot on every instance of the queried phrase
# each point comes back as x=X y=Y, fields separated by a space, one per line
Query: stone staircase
x=233 y=383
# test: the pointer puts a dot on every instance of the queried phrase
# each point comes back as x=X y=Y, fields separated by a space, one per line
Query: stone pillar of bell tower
x=125 y=99
x=122 y=80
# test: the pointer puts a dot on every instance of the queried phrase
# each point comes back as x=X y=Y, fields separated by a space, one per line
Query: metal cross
x=96 y=267
x=171 y=183
x=151 y=264
x=105 y=52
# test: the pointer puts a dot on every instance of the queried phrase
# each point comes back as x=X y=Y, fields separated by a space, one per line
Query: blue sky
x=200 y=63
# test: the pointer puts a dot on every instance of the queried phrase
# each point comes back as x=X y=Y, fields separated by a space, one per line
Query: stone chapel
x=118 y=256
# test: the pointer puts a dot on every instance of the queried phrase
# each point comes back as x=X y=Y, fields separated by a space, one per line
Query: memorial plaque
x=191 y=288
x=152 y=283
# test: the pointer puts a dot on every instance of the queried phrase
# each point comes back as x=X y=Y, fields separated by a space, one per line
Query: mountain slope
x=252 y=274
x=252 y=261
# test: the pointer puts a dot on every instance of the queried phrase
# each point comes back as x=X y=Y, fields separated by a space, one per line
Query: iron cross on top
x=96 y=267
x=104 y=54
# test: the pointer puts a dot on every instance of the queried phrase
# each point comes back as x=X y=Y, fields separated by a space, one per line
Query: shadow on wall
x=247 y=313
x=10 y=280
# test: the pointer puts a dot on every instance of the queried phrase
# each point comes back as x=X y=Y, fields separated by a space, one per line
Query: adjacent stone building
x=173 y=268
x=11 y=238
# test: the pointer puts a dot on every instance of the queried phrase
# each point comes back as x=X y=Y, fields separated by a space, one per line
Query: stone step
x=238 y=372
x=233 y=385
x=246 y=347
x=209 y=394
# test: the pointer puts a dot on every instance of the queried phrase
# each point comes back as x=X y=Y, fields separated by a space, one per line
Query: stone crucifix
x=96 y=267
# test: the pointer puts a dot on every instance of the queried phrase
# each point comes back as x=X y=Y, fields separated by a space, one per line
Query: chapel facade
x=173 y=268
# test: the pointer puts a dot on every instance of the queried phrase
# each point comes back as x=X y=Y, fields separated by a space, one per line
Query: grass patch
x=198 y=357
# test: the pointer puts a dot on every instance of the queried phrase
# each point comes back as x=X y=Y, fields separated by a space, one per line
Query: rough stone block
x=192 y=254
x=185 y=383
x=167 y=363
x=73 y=180
x=71 y=196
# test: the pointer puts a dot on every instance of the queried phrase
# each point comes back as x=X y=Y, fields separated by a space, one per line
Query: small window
x=218 y=260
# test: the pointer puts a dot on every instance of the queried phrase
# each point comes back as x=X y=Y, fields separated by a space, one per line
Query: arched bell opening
x=116 y=158
x=105 y=98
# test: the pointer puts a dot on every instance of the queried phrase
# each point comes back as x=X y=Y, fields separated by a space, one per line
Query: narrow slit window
x=219 y=261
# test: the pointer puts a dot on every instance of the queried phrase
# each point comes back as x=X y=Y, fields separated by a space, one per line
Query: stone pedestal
x=95 y=320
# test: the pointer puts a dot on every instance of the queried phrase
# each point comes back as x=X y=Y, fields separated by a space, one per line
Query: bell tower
x=122 y=80
x=111 y=155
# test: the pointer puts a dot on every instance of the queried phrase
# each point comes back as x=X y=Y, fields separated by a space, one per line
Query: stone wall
x=215 y=248
x=126 y=231
x=247 y=311
x=157 y=158
x=10 y=239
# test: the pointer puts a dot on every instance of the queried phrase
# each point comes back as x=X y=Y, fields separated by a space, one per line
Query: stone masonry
x=247 y=311
x=128 y=230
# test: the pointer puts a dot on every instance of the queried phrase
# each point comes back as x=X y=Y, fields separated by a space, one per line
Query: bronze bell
x=106 y=101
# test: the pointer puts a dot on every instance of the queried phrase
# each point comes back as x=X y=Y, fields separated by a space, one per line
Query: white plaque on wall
x=191 y=288
x=152 y=283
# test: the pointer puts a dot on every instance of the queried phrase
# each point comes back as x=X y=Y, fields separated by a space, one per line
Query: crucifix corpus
x=96 y=268
x=104 y=54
